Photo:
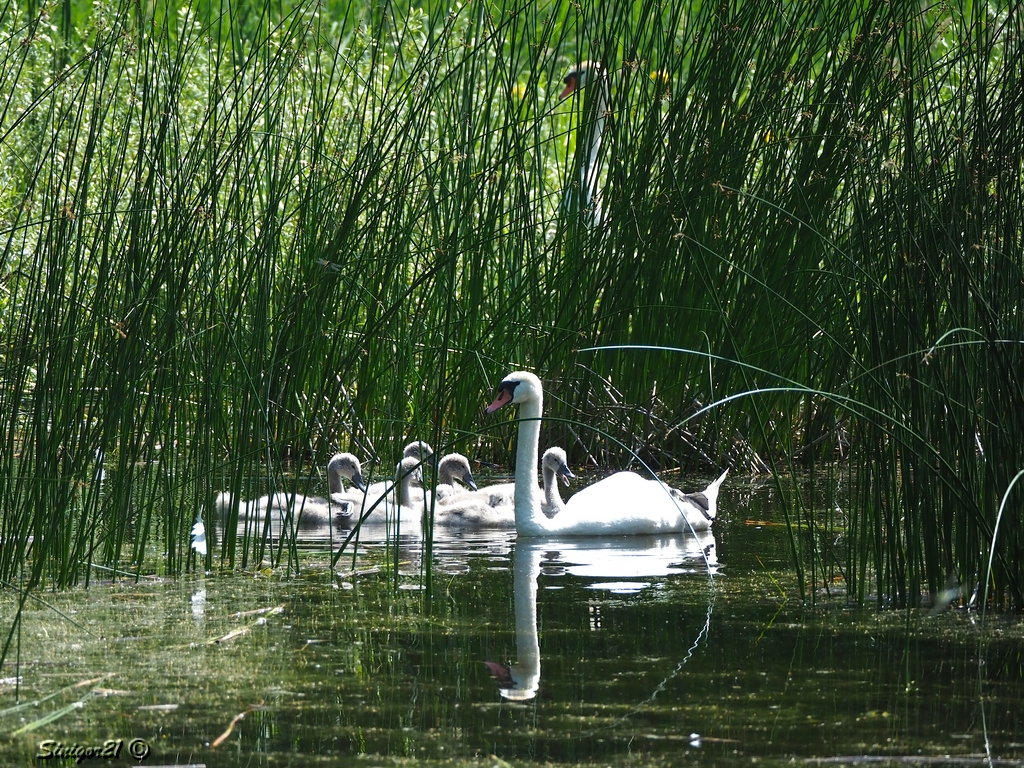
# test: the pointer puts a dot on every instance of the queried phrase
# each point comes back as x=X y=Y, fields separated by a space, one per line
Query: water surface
x=638 y=651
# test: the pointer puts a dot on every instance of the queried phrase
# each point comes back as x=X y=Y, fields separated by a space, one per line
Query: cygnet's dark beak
x=566 y=474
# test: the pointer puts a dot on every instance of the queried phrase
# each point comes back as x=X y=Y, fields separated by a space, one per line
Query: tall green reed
x=236 y=241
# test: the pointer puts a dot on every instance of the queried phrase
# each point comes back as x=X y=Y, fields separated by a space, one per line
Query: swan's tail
x=711 y=494
x=707 y=500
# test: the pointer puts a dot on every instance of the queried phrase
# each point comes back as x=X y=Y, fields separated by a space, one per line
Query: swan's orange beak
x=570 y=85
x=504 y=398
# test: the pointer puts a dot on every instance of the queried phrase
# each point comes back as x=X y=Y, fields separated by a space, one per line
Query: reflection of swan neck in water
x=624 y=503
x=631 y=558
x=521 y=680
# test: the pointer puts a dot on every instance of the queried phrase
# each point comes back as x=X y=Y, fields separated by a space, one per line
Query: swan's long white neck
x=592 y=131
x=530 y=521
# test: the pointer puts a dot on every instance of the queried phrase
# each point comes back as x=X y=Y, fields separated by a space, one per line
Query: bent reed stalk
x=235 y=242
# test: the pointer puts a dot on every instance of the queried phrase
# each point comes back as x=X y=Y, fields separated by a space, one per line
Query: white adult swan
x=699 y=508
x=309 y=511
x=476 y=510
x=623 y=506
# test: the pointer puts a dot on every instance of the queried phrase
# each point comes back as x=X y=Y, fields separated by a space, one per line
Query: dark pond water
x=638 y=651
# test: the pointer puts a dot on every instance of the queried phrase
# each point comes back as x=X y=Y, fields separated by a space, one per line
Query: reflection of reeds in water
x=337 y=232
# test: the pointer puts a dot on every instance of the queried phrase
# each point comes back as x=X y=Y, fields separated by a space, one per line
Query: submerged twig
x=234 y=721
